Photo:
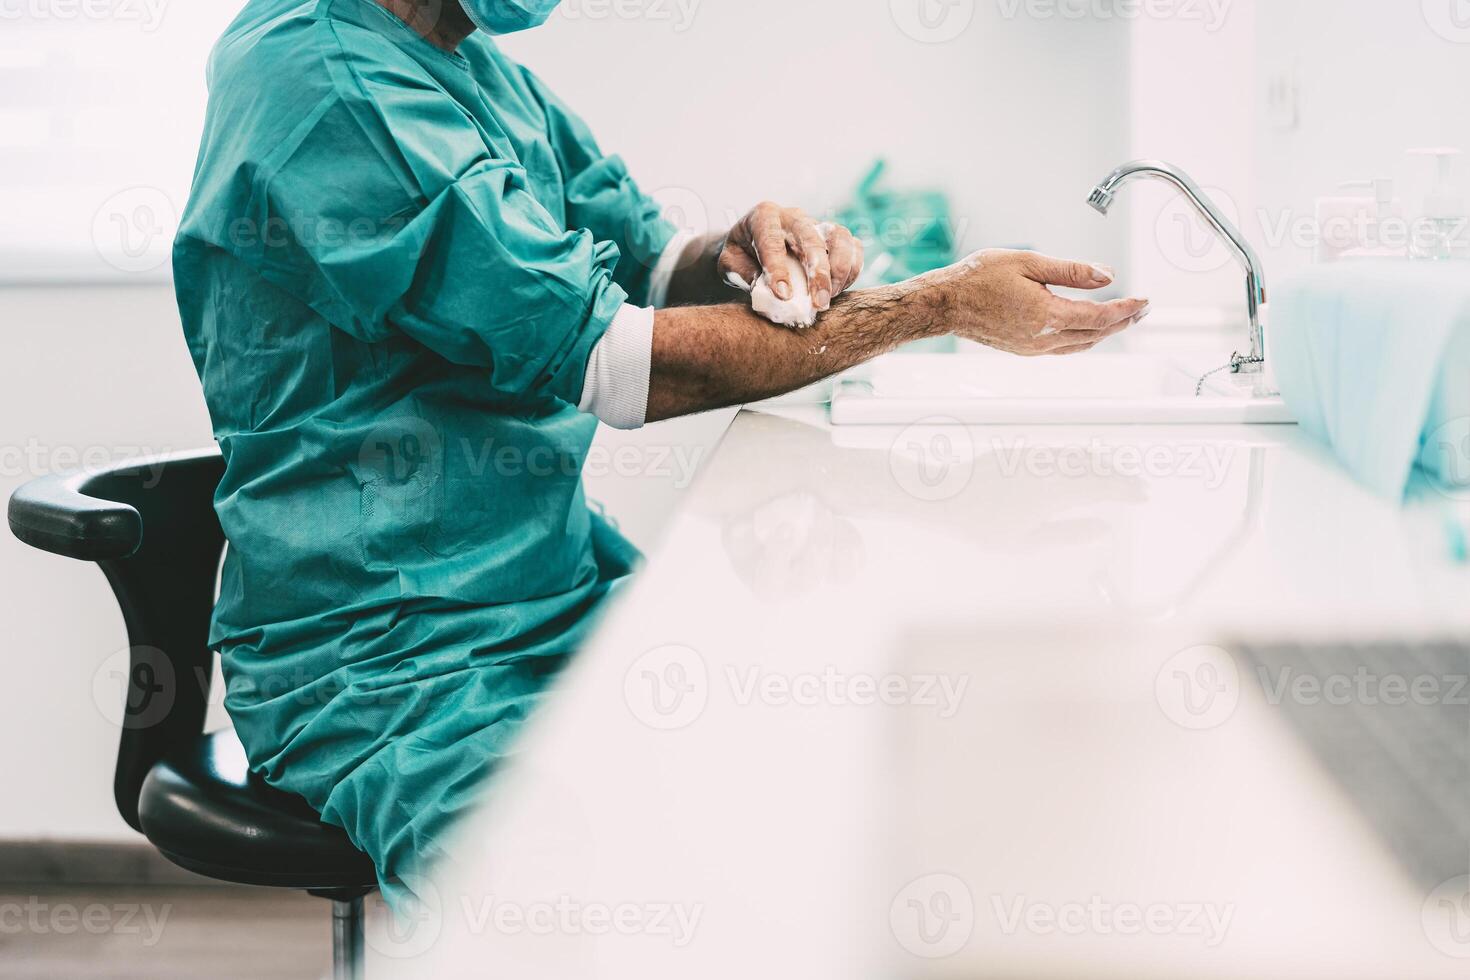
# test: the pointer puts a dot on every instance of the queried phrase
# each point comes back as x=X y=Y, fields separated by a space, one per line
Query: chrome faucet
x=1101 y=199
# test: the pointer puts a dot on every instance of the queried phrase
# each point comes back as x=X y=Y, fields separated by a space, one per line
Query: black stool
x=151 y=526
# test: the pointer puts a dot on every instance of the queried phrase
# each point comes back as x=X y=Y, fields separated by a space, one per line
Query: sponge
x=798 y=312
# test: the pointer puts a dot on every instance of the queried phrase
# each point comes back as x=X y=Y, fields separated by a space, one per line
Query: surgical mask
x=509 y=16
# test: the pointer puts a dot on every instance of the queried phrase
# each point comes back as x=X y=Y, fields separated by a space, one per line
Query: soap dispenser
x=1376 y=224
x=1441 y=233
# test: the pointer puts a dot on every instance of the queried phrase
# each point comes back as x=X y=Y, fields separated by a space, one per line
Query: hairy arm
x=713 y=356
x=707 y=357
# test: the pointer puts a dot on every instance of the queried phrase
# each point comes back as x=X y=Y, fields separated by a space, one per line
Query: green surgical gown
x=392 y=268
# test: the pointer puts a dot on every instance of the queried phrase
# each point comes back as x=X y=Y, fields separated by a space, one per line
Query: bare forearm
x=708 y=357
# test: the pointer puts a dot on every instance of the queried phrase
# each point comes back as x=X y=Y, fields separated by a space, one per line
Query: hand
x=1000 y=299
x=829 y=253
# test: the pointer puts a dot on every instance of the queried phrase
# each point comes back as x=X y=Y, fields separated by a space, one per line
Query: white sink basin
x=1111 y=389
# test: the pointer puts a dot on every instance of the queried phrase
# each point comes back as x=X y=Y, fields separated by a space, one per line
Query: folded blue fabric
x=1360 y=353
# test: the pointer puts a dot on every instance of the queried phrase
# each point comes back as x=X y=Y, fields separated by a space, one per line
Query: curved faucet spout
x=1101 y=199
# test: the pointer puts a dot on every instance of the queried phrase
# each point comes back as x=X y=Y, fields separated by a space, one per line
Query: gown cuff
x=616 y=388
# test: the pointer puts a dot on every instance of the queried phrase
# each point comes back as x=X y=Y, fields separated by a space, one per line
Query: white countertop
x=710 y=753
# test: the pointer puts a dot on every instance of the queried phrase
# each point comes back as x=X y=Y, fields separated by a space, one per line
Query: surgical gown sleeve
x=396 y=214
x=602 y=197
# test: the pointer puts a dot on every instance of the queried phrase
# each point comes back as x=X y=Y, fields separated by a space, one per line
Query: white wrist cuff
x=616 y=388
x=663 y=272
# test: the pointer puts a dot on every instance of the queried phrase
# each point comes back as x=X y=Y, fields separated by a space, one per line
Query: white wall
x=1015 y=116
x=101 y=104
x=1193 y=94
x=87 y=374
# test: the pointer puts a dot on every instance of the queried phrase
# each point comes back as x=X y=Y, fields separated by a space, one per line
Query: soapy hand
x=763 y=242
x=1000 y=298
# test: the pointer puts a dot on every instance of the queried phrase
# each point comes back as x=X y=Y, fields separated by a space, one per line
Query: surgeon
x=411 y=284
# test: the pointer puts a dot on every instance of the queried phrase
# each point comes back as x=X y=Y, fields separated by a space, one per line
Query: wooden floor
x=162 y=933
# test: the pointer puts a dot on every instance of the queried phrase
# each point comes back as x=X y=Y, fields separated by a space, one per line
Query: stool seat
x=203 y=808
